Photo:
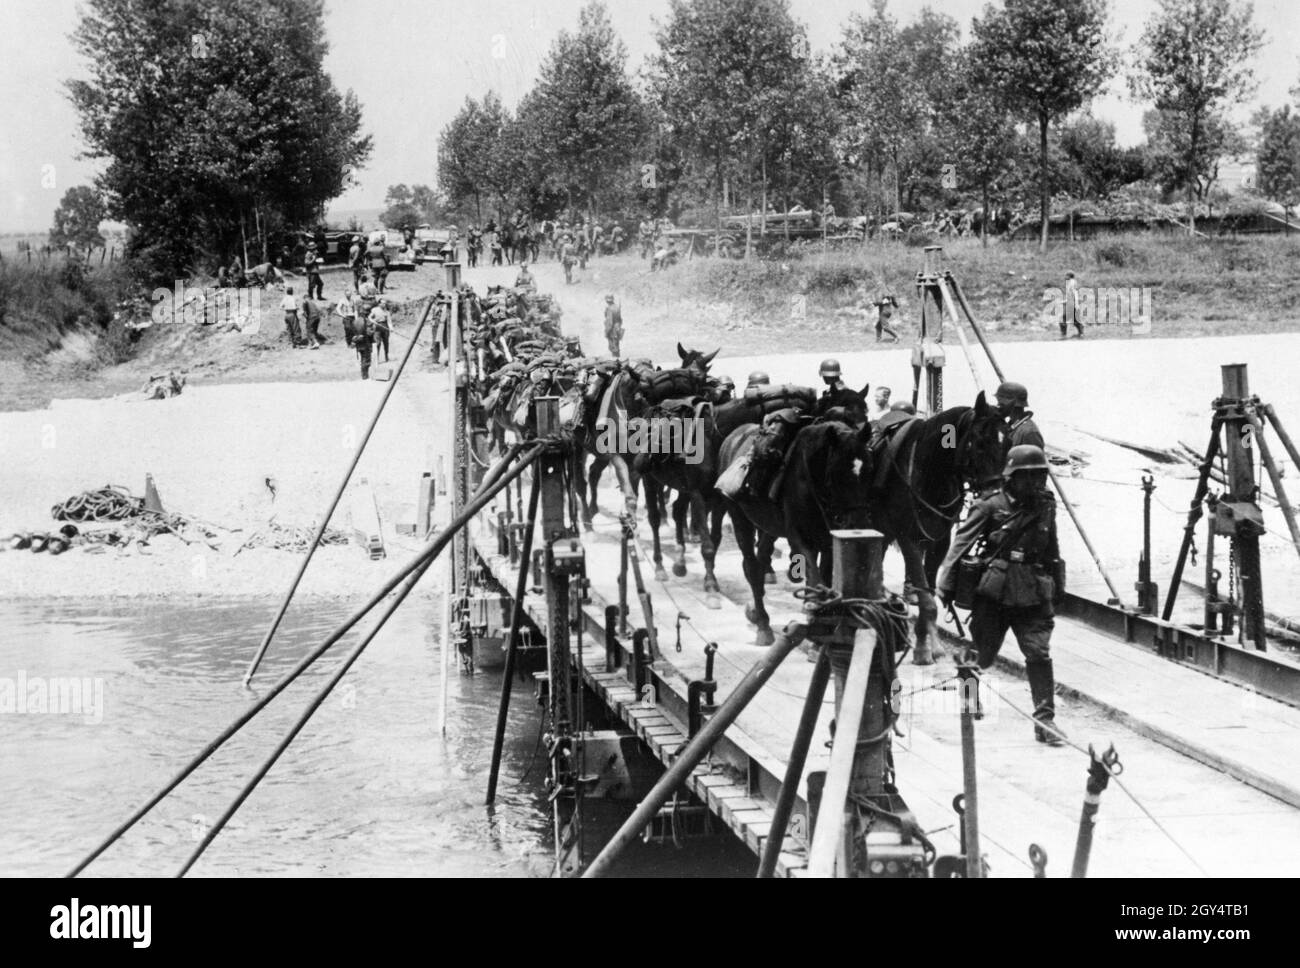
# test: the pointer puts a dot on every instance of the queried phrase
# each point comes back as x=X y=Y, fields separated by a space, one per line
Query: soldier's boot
x=1042 y=688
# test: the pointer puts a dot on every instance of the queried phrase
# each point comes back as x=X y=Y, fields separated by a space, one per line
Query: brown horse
x=913 y=498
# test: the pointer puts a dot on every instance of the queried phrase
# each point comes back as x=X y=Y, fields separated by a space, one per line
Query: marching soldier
x=525 y=278
x=1019 y=576
x=379 y=323
x=613 y=325
x=885 y=307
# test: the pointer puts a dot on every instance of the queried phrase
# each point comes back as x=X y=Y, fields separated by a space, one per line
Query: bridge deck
x=1145 y=704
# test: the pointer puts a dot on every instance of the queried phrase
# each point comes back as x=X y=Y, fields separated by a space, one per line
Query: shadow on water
x=367 y=788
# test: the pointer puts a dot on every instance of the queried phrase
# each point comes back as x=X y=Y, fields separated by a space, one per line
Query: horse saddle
x=770 y=456
x=891 y=433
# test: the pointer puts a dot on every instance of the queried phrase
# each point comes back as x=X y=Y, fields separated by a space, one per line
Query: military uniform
x=1021 y=429
x=363 y=343
x=1017 y=588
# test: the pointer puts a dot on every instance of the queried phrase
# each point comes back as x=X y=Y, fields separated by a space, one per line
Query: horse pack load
x=656 y=386
x=782 y=397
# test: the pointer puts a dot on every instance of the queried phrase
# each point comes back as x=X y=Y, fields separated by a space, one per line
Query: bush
x=1121 y=255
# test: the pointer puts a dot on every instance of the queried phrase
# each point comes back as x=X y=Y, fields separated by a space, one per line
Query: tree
x=721 y=67
x=1278 y=158
x=586 y=108
x=1194 y=63
x=473 y=155
x=76 y=220
x=1170 y=158
x=1046 y=57
x=400 y=211
x=218 y=122
x=981 y=132
x=1094 y=165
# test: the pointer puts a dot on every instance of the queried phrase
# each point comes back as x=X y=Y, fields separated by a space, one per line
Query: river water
x=369 y=787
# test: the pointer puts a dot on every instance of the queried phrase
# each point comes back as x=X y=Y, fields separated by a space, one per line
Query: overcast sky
x=413 y=62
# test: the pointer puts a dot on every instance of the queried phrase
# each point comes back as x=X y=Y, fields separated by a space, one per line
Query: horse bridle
x=963 y=452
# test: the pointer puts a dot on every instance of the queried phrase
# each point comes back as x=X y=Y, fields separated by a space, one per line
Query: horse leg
x=679 y=520
x=928 y=647
x=598 y=465
x=654 y=515
x=625 y=482
x=578 y=485
x=766 y=545
x=745 y=533
x=708 y=550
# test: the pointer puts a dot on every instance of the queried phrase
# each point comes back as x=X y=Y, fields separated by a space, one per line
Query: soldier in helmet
x=726 y=390
x=1013 y=534
x=830 y=374
x=1012 y=400
x=758 y=379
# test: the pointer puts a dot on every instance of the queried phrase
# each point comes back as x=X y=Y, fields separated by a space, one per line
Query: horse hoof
x=679 y=569
x=660 y=574
x=922 y=656
x=712 y=600
x=769 y=578
x=764 y=637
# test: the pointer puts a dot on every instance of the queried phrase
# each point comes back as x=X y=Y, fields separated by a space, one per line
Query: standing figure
x=613 y=325
x=1070 y=312
x=379 y=322
x=362 y=342
x=290 y=306
x=885 y=307
x=377 y=257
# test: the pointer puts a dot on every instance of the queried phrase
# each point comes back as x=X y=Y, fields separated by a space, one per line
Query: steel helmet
x=759 y=379
x=1015 y=392
x=726 y=383
x=830 y=369
x=1024 y=457
x=609 y=298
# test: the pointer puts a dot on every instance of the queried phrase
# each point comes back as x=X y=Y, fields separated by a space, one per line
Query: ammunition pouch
x=993 y=581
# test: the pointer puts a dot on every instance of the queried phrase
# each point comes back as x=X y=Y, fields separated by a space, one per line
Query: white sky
x=413 y=62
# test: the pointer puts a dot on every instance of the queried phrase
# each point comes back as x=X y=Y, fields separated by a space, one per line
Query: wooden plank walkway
x=1113 y=692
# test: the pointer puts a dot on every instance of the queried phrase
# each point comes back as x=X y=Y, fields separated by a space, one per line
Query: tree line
x=734 y=111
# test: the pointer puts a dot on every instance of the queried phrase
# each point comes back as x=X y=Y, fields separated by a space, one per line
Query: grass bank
x=1200 y=287
x=63 y=315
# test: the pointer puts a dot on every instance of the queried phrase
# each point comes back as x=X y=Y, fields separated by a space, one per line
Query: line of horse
x=905 y=476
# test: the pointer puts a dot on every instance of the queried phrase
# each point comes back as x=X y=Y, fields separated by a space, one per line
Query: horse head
x=981 y=453
x=695 y=360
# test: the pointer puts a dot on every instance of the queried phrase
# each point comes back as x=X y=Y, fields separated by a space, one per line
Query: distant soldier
x=362 y=341
x=367 y=299
x=525 y=278
x=377 y=259
x=568 y=258
x=290 y=306
x=379 y=325
x=237 y=279
x=347 y=312
x=311 y=314
x=495 y=247
x=617 y=237
x=613 y=325
x=645 y=234
x=356 y=263
x=830 y=374
x=1070 y=311
x=758 y=379
x=473 y=246
x=311 y=269
x=1020 y=579
x=885 y=306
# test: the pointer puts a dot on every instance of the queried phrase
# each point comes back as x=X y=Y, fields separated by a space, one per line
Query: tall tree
x=216 y=121
x=1046 y=57
x=721 y=66
x=585 y=105
x=981 y=132
x=1194 y=64
x=76 y=220
x=1278 y=158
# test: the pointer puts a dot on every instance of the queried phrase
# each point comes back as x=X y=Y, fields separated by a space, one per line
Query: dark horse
x=913 y=496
